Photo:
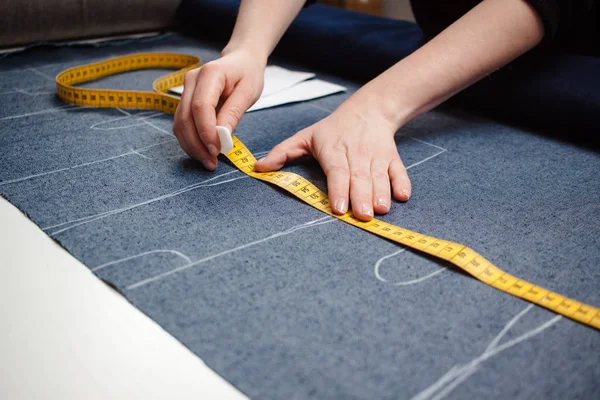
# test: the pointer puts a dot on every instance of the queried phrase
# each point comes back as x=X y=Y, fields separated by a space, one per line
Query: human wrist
x=255 y=53
x=388 y=108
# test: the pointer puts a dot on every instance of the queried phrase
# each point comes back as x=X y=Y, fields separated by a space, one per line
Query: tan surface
x=27 y=21
x=374 y=7
x=399 y=9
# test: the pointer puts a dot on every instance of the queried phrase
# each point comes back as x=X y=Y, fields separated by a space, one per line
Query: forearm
x=489 y=36
x=261 y=23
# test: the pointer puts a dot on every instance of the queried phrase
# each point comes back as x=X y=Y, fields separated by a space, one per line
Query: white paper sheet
x=276 y=80
x=283 y=86
x=303 y=91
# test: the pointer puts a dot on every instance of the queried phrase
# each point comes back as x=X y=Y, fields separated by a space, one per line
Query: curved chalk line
x=402 y=283
x=177 y=253
x=310 y=224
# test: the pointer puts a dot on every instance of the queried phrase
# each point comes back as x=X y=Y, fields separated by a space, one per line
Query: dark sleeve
x=433 y=16
x=568 y=24
x=550 y=14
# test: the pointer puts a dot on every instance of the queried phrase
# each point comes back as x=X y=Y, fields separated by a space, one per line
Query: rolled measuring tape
x=461 y=256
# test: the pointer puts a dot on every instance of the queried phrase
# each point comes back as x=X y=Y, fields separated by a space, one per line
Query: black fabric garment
x=571 y=26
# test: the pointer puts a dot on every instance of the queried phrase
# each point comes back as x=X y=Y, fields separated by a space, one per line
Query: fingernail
x=209 y=165
x=258 y=164
x=212 y=150
x=381 y=201
x=366 y=210
x=341 y=206
x=405 y=193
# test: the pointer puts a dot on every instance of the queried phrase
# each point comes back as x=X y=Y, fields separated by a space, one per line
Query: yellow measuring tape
x=457 y=254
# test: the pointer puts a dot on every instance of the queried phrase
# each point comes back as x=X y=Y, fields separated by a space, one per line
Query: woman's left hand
x=355 y=147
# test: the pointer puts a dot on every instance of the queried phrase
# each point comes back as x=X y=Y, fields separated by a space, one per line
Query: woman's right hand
x=218 y=93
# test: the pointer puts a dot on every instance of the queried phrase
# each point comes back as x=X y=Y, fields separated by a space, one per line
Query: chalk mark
x=28 y=92
x=157 y=128
x=134 y=151
x=141 y=117
x=108 y=264
x=460 y=373
x=402 y=283
x=90 y=218
x=427 y=143
x=119 y=109
x=131 y=152
x=46 y=111
x=40 y=73
x=426 y=159
x=310 y=224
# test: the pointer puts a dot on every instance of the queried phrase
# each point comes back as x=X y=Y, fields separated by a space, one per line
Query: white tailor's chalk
x=225 y=139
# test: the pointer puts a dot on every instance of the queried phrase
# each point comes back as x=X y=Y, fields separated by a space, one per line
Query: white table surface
x=64 y=334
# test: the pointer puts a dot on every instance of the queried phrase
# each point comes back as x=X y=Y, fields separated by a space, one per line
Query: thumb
x=288 y=150
x=235 y=106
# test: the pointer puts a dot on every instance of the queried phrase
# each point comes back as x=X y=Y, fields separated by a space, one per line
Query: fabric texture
x=285 y=302
x=26 y=21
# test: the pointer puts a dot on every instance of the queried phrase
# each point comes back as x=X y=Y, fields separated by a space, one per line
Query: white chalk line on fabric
x=426 y=159
x=377 y=271
x=45 y=111
x=84 y=220
x=310 y=224
x=138 y=121
x=145 y=253
x=460 y=373
x=128 y=153
x=40 y=73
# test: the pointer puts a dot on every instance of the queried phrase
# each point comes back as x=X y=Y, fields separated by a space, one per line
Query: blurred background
x=23 y=22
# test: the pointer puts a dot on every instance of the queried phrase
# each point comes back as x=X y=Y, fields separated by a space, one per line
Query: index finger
x=184 y=126
x=208 y=91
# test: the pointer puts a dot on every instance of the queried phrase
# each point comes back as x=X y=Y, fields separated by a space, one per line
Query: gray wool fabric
x=287 y=303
